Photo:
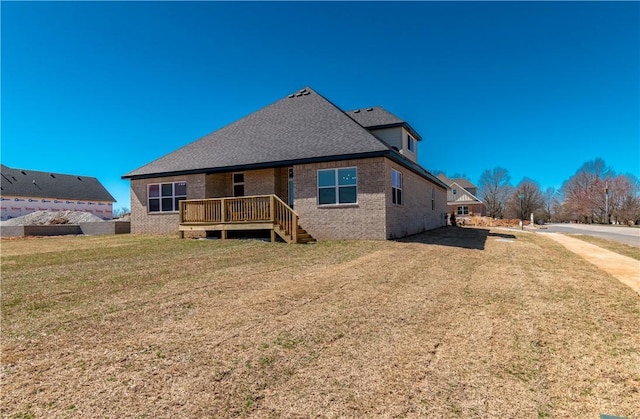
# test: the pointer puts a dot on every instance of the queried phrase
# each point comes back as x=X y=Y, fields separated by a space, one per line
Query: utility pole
x=606 y=203
x=521 y=196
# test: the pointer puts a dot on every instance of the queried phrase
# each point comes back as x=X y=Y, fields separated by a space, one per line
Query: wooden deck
x=262 y=212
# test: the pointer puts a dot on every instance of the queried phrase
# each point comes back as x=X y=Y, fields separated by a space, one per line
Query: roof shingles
x=30 y=183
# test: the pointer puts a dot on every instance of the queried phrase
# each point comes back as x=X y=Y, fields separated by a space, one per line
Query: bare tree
x=624 y=199
x=551 y=199
x=585 y=196
x=494 y=188
x=525 y=199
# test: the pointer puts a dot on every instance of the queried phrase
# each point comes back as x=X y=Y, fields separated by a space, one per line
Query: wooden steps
x=302 y=236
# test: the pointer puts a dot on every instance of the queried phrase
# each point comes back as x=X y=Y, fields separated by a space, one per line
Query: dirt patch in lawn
x=435 y=326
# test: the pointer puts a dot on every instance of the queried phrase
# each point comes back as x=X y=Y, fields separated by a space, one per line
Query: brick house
x=462 y=197
x=26 y=191
x=300 y=167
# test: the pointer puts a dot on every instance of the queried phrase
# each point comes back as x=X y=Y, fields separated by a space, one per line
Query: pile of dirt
x=40 y=218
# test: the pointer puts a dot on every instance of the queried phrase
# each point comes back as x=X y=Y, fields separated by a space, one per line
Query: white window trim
x=400 y=188
x=411 y=142
x=336 y=187
x=173 y=196
x=460 y=210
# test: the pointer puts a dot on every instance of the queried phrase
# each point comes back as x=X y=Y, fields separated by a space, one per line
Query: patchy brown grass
x=620 y=248
x=453 y=323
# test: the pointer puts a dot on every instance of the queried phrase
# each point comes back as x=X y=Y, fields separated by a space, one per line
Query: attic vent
x=356 y=111
x=369 y=109
x=306 y=92
x=51 y=174
x=23 y=172
x=79 y=178
x=298 y=94
x=291 y=95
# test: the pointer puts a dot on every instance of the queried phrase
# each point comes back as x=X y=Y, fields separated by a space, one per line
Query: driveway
x=627 y=235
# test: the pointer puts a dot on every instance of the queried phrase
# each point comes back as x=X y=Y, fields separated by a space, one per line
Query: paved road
x=628 y=235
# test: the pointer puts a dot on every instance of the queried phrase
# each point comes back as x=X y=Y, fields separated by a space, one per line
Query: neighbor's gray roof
x=462 y=182
x=378 y=117
x=30 y=183
x=301 y=126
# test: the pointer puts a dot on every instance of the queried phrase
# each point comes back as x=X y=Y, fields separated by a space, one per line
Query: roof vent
x=79 y=178
x=369 y=109
x=51 y=174
x=299 y=94
x=14 y=178
x=291 y=95
x=306 y=92
x=356 y=111
x=23 y=172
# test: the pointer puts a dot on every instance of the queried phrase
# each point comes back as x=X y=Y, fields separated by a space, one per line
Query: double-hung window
x=338 y=186
x=396 y=187
x=433 y=198
x=165 y=197
x=411 y=143
x=463 y=210
x=238 y=184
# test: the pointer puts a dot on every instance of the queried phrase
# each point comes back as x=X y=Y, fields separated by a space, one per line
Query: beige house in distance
x=462 y=197
x=300 y=168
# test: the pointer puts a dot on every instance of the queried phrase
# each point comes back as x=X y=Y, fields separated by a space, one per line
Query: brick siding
x=415 y=214
x=364 y=220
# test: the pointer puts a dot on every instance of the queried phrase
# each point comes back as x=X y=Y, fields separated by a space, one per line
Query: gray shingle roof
x=463 y=182
x=374 y=117
x=301 y=126
x=21 y=182
x=378 y=117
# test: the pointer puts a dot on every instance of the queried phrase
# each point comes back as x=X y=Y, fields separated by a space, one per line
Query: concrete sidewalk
x=624 y=268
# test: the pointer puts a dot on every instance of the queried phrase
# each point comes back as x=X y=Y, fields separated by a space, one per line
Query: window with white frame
x=463 y=210
x=165 y=197
x=411 y=143
x=338 y=186
x=396 y=187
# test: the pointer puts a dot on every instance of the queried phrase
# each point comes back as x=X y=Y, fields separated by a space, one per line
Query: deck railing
x=246 y=209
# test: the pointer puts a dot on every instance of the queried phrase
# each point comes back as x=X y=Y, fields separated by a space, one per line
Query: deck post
x=223 y=234
x=272 y=208
x=223 y=210
x=294 y=227
x=273 y=235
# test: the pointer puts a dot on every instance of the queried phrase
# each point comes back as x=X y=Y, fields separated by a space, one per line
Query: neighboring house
x=347 y=175
x=462 y=197
x=27 y=191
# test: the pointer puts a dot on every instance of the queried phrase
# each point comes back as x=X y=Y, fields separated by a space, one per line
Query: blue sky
x=101 y=88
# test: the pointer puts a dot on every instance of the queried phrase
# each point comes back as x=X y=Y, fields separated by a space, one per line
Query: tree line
x=594 y=194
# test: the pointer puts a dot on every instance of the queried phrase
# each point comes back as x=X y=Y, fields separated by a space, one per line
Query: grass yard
x=620 y=248
x=454 y=323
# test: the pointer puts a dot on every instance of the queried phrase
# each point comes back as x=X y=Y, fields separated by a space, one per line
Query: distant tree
x=551 y=199
x=532 y=201
x=494 y=188
x=624 y=199
x=584 y=193
x=117 y=213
